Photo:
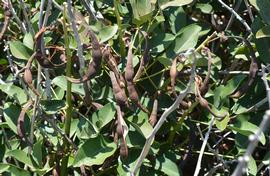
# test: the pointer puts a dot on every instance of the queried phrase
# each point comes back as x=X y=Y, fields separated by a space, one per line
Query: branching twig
x=236 y=15
x=249 y=11
x=232 y=16
x=254 y=139
x=165 y=114
x=198 y=166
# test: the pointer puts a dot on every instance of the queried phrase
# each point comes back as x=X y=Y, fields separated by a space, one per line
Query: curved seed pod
x=252 y=72
x=94 y=66
x=119 y=94
x=145 y=59
x=204 y=103
x=112 y=64
x=173 y=74
x=153 y=116
x=121 y=133
x=133 y=95
x=205 y=85
x=20 y=121
x=28 y=76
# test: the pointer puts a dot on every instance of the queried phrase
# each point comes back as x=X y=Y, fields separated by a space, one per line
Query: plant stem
x=68 y=95
x=120 y=32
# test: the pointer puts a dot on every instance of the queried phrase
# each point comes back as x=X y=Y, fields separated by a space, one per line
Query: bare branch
x=163 y=117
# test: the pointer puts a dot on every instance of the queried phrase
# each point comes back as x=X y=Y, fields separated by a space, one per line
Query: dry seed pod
x=205 y=85
x=94 y=66
x=20 y=122
x=120 y=95
x=28 y=76
x=153 y=116
x=123 y=148
x=173 y=74
x=129 y=78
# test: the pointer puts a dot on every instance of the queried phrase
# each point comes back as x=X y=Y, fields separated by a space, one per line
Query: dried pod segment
x=121 y=133
x=252 y=72
x=94 y=66
x=205 y=85
x=119 y=93
x=112 y=64
x=20 y=122
x=204 y=103
x=7 y=18
x=42 y=59
x=145 y=59
x=173 y=74
x=153 y=116
x=28 y=76
x=133 y=95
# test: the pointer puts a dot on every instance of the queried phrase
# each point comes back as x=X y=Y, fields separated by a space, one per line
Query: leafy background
x=173 y=27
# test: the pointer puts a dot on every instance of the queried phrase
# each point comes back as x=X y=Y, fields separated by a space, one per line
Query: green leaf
x=263 y=32
x=142 y=10
x=37 y=152
x=246 y=128
x=141 y=124
x=103 y=116
x=221 y=125
x=166 y=165
x=94 y=151
x=15 y=92
x=28 y=41
x=21 y=156
x=11 y=114
x=169 y=3
x=107 y=32
x=14 y=170
x=19 y=50
x=185 y=39
x=160 y=41
x=262 y=44
x=252 y=167
x=176 y=14
x=52 y=106
x=205 y=8
x=61 y=81
x=263 y=7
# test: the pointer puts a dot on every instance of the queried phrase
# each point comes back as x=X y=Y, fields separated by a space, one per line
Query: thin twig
x=198 y=166
x=236 y=15
x=77 y=37
x=163 y=117
x=232 y=16
x=89 y=10
x=254 y=139
x=29 y=24
x=14 y=14
x=249 y=11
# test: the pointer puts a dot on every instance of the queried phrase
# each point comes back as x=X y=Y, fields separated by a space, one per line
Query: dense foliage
x=138 y=87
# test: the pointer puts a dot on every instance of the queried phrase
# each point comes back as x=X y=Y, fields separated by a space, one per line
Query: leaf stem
x=120 y=32
x=68 y=94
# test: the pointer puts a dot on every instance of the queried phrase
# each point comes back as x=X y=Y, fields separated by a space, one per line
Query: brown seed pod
x=153 y=116
x=133 y=95
x=119 y=94
x=94 y=66
x=205 y=85
x=20 y=121
x=173 y=74
x=28 y=76
x=123 y=148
